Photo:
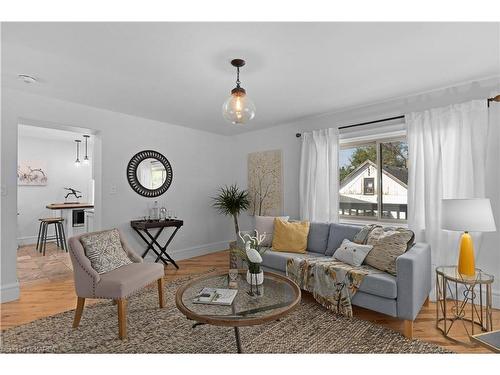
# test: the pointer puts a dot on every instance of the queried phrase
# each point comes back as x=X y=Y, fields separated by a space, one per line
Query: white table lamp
x=467 y=215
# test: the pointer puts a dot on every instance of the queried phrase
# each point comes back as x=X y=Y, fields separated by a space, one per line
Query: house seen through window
x=374 y=180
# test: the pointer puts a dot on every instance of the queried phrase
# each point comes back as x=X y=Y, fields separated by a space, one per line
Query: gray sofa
x=400 y=296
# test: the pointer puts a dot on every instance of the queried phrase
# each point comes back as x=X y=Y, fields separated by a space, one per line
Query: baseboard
x=9 y=292
x=196 y=251
x=28 y=240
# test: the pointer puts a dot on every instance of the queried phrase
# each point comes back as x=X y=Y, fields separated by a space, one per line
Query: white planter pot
x=255 y=279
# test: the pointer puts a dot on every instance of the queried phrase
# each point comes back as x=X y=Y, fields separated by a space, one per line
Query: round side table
x=465 y=295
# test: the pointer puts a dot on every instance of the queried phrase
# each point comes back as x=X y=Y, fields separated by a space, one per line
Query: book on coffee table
x=216 y=296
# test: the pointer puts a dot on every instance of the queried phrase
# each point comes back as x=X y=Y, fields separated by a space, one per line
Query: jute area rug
x=309 y=329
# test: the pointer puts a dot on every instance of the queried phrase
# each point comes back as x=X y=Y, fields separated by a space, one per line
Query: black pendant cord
x=238 y=77
x=86 y=155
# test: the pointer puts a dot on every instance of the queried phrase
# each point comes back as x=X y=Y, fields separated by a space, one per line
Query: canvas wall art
x=265 y=183
x=32 y=173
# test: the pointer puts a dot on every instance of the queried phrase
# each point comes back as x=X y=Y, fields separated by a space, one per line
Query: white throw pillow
x=265 y=224
x=352 y=253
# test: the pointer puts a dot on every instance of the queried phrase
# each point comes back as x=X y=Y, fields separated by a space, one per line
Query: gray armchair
x=117 y=285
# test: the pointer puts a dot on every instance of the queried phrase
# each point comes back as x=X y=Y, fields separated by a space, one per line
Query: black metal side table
x=465 y=295
x=142 y=227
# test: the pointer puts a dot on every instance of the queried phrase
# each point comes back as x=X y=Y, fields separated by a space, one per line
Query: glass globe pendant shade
x=238 y=108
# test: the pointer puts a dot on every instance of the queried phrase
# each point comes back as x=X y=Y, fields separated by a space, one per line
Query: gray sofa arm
x=413 y=280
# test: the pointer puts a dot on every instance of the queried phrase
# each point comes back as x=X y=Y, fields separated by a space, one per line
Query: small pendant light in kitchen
x=86 y=157
x=77 y=161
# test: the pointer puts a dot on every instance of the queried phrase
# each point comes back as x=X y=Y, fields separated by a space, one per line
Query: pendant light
x=77 y=161
x=238 y=108
x=86 y=157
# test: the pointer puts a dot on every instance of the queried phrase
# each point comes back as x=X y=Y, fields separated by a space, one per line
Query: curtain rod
x=493 y=99
x=298 y=135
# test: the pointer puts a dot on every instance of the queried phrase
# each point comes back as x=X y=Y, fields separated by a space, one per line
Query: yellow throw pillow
x=290 y=236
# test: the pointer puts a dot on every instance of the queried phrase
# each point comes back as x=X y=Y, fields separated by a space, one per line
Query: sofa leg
x=80 y=303
x=426 y=302
x=161 y=297
x=122 y=318
x=408 y=329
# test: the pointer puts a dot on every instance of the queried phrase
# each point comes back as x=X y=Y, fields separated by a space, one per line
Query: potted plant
x=230 y=200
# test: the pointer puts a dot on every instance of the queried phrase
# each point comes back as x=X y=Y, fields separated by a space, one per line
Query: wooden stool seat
x=51 y=219
x=59 y=236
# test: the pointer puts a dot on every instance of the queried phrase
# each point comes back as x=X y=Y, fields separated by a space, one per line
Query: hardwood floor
x=47 y=297
x=33 y=267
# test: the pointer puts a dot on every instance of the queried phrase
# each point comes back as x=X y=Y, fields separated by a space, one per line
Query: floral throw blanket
x=332 y=283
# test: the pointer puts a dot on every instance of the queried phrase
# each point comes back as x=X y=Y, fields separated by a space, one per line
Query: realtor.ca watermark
x=29 y=349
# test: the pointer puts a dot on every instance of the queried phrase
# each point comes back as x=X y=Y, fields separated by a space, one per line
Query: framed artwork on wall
x=265 y=183
x=32 y=173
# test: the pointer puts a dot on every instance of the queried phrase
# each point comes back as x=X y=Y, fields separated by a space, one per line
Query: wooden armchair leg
x=408 y=329
x=122 y=318
x=161 y=297
x=80 y=303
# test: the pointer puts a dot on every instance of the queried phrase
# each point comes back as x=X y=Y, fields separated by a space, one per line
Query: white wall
x=200 y=162
x=59 y=156
x=283 y=137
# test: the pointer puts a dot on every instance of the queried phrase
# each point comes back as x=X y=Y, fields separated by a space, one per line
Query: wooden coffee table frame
x=236 y=320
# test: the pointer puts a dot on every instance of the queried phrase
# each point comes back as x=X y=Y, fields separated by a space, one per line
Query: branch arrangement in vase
x=252 y=254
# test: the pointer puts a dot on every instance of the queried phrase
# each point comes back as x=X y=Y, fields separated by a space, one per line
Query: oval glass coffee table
x=279 y=296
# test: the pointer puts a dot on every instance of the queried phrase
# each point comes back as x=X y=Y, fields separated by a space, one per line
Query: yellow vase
x=466 y=265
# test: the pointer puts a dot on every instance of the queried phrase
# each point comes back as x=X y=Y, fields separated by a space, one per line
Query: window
x=369 y=186
x=374 y=179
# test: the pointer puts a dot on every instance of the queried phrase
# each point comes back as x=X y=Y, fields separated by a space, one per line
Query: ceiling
x=180 y=73
x=49 y=133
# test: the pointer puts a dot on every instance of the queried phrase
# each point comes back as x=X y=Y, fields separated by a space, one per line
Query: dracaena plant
x=231 y=200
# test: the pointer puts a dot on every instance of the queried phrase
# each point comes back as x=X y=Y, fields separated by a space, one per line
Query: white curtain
x=319 y=181
x=447 y=159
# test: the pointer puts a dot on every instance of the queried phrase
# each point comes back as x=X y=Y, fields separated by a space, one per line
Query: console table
x=143 y=227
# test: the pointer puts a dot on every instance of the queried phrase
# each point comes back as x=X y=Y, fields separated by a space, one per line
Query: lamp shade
x=467 y=215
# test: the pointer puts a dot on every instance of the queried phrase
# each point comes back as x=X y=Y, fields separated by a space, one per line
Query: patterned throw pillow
x=104 y=250
x=352 y=253
x=388 y=244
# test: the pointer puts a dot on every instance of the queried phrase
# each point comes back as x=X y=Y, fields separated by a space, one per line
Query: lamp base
x=466 y=264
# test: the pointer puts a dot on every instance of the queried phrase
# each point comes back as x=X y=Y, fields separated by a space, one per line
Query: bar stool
x=59 y=236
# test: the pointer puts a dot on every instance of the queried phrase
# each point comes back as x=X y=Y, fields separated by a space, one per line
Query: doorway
x=55 y=197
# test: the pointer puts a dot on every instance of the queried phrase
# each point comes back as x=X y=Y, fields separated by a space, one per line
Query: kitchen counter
x=68 y=206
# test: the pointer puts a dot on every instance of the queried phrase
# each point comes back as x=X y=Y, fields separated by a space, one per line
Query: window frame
x=377 y=141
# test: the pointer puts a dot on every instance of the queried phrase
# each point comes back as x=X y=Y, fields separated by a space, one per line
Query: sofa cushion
x=388 y=244
x=380 y=284
x=318 y=237
x=337 y=234
x=265 y=224
x=352 y=253
x=277 y=260
x=104 y=250
x=290 y=237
